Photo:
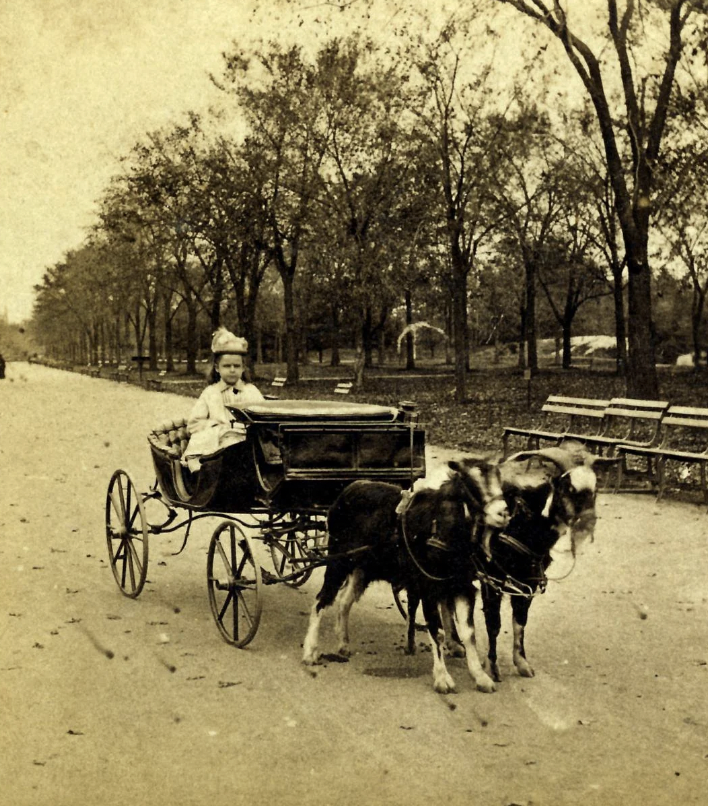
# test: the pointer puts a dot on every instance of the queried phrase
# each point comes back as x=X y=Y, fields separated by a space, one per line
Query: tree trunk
x=152 y=337
x=459 y=322
x=304 y=353
x=192 y=345
x=567 y=355
x=259 y=344
x=367 y=338
x=359 y=360
x=169 y=342
x=292 y=371
x=699 y=299
x=620 y=322
x=218 y=295
x=382 y=348
x=410 y=353
x=335 y=358
x=530 y=315
x=642 y=380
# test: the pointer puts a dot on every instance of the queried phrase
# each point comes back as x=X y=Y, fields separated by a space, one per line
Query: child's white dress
x=211 y=425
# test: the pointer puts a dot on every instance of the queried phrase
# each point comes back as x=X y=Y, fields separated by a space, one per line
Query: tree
x=684 y=225
x=276 y=93
x=455 y=132
x=531 y=194
x=365 y=175
x=646 y=78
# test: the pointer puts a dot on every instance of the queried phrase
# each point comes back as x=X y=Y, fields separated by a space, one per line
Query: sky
x=82 y=80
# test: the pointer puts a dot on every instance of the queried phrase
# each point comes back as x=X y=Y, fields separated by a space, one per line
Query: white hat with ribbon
x=225 y=342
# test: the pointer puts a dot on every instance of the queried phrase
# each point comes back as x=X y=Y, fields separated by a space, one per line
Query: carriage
x=275 y=487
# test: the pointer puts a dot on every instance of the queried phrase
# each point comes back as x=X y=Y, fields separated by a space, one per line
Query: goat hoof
x=492 y=670
x=486 y=686
x=455 y=650
x=312 y=659
x=409 y=650
x=444 y=685
x=344 y=651
x=524 y=668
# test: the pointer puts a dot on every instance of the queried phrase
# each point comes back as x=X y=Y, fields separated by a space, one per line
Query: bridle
x=502 y=581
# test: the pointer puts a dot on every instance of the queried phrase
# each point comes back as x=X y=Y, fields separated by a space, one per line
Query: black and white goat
x=555 y=499
x=423 y=542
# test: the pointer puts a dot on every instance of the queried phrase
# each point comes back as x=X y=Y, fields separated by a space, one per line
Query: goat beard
x=582 y=530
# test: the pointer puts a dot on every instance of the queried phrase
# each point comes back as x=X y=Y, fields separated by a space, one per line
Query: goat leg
x=491 y=602
x=464 y=619
x=520 y=613
x=442 y=681
x=350 y=593
x=452 y=638
x=335 y=576
x=413 y=602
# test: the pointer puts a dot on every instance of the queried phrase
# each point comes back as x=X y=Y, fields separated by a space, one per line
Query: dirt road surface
x=107 y=700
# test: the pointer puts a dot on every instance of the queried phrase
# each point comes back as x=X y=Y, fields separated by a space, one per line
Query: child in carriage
x=210 y=424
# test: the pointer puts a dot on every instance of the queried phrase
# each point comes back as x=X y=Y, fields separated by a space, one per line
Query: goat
x=556 y=499
x=422 y=542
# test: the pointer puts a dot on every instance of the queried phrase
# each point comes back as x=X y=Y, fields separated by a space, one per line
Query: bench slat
x=635 y=414
x=685 y=422
x=688 y=410
x=626 y=402
x=580 y=401
x=577 y=412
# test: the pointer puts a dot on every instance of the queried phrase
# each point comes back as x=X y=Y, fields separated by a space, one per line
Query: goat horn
x=560 y=457
x=605 y=460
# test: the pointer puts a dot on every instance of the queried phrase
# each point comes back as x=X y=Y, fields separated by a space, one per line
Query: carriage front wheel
x=126 y=534
x=234 y=582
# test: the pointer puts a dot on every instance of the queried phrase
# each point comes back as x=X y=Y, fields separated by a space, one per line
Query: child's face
x=230 y=368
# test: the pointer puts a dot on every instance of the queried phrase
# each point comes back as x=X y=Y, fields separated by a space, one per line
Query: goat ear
x=454 y=465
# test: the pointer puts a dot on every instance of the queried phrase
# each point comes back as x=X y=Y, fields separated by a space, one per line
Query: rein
x=432 y=541
x=407 y=544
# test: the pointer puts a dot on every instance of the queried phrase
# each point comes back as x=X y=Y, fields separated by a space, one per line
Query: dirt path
x=105 y=700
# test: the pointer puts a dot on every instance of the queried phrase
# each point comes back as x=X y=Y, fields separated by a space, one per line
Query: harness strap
x=519 y=546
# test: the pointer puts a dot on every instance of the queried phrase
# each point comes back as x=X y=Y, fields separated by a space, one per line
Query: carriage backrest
x=171 y=437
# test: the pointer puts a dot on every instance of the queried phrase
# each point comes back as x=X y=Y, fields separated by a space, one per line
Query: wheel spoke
x=124 y=567
x=131 y=565
x=223 y=556
x=225 y=606
x=123 y=508
x=134 y=556
x=128 y=490
x=136 y=512
x=116 y=504
x=244 y=607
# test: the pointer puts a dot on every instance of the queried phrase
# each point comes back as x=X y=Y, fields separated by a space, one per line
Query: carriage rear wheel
x=126 y=534
x=235 y=585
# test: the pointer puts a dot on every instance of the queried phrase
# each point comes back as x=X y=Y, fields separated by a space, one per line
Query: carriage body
x=297 y=455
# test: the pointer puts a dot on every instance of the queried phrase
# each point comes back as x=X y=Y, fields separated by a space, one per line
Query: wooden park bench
x=343 y=388
x=683 y=439
x=279 y=381
x=564 y=415
x=626 y=421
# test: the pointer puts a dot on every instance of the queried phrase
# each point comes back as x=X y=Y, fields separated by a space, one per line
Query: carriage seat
x=171 y=437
